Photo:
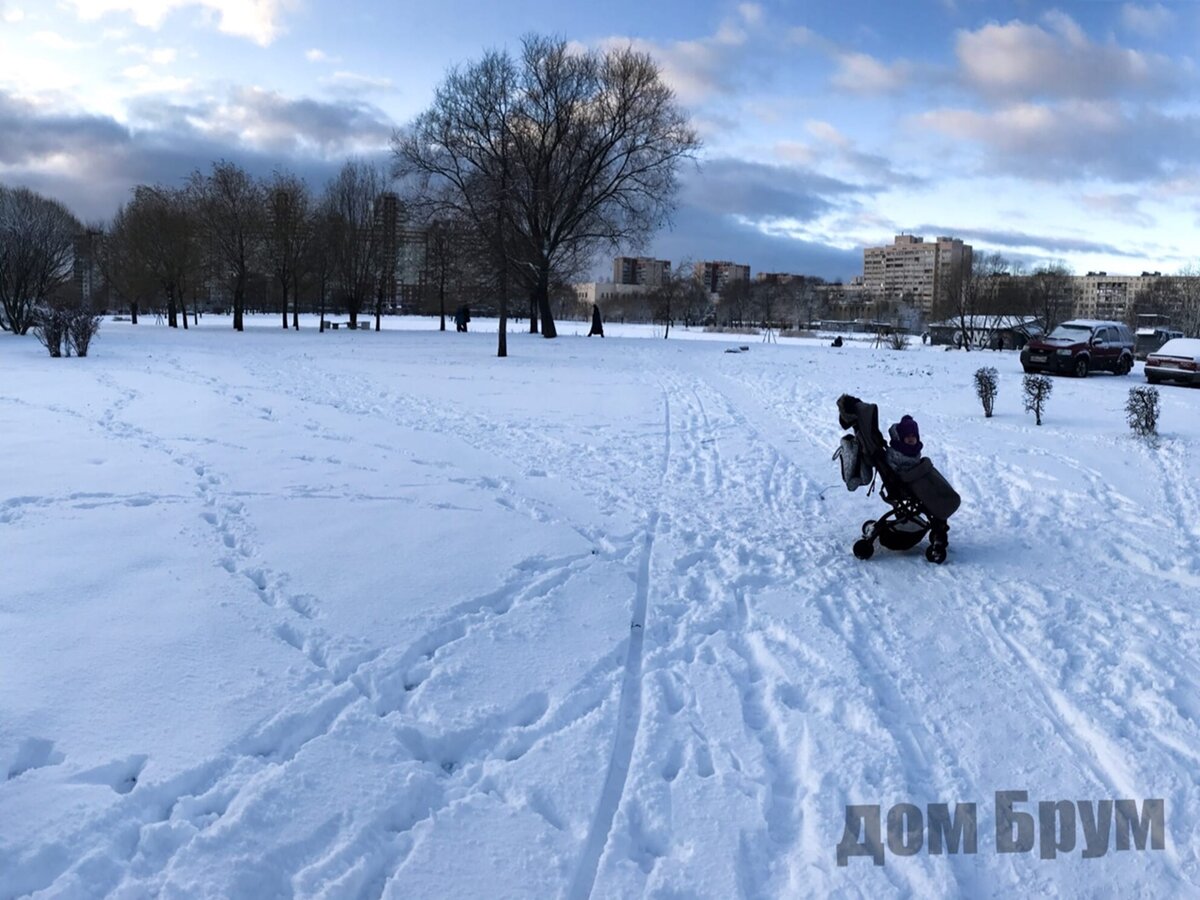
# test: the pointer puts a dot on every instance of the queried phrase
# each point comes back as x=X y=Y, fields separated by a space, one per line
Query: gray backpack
x=856 y=467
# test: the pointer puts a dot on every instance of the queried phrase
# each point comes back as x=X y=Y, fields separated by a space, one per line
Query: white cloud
x=1022 y=61
x=859 y=73
x=159 y=56
x=316 y=56
x=258 y=20
x=1148 y=21
x=357 y=82
x=698 y=69
x=1073 y=140
x=1121 y=207
x=55 y=41
x=12 y=15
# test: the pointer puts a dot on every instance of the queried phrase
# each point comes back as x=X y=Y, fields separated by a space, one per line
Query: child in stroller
x=921 y=499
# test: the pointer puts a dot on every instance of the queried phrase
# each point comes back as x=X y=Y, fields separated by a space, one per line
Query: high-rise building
x=914 y=270
x=715 y=274
x=641 y=270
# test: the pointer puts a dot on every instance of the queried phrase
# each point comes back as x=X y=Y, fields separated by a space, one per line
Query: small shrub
x=897 y=340
x=82 y=325
x=1037 y=390
x=50 y=327
x=1141 y=411
x=987 y=381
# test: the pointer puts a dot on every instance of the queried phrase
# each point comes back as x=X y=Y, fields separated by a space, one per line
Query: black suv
x=1081 y=346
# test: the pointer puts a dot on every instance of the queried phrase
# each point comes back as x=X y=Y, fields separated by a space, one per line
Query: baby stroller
x=921 y=499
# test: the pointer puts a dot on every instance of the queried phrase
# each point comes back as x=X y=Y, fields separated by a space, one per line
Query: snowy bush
x=82 y=326
x=1037 y=390
x=50 y=327
x=1141 y=411
x=898 y=340
x=986 y=386
x=61 y=329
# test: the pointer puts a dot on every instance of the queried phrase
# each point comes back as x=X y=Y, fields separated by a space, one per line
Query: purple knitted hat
x=907 y=427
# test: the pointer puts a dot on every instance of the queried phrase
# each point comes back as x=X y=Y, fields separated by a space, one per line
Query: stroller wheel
x=935 y=554
x=864 y=549
x=868 y=527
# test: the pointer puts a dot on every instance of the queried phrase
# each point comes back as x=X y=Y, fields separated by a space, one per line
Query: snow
x=382 y=615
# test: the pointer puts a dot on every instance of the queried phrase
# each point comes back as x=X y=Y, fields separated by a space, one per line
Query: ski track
x=693 y=611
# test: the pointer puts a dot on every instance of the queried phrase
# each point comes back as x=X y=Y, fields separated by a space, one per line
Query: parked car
x=1148 y=340
x=1176 y=360
x=1081 y=346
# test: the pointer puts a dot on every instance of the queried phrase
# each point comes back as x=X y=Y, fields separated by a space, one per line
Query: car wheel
x=1029 y=370
x=1081 y=367
x=1124 y=365
x=1153 y=379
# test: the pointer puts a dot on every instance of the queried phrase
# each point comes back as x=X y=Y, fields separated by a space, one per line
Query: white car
x=1176 y=360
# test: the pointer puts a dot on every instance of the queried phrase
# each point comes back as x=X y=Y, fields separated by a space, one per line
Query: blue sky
x=1066 y=132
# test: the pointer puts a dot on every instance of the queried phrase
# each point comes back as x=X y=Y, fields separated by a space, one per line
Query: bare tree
x=556 y=154
x=1051 y=295
x=1187 y=318
x=735 y=301
x=352 y=197
x=289 y=237
x=230 y=206
x=964 y=292
x=37 y=250
x=122 y=270
x=156 y=239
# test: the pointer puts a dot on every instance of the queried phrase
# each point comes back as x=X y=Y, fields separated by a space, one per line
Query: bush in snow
x=1141 y=411
x=1037 y=390
x=986 y=386
x=82 y=326
x=62 y=328
x=50 y=327
x=898 y=340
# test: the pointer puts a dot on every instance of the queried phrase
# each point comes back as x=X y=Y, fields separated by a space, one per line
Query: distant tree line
x=521 y=170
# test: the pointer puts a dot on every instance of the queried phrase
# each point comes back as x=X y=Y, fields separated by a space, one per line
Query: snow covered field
x=363 y=615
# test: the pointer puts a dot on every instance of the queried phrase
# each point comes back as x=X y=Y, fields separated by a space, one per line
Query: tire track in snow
x=629 y=709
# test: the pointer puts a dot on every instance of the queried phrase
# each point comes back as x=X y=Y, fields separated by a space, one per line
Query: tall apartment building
x=912 y=269
x=1099 y=295
x=715 y=274
x=641 y=270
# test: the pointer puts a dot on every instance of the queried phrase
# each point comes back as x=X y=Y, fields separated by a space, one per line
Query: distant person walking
x=597 y=322
x=461 y=317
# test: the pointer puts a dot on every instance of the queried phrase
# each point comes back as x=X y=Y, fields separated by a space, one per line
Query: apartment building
x=640 y=270
x=716 y=274
x=913 y=269
x=1099 y=295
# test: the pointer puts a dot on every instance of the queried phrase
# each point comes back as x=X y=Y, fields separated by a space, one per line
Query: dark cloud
x=728 y=207
x=701 y=234
x=98 y=160
x=762 y=191
x=1052 y=244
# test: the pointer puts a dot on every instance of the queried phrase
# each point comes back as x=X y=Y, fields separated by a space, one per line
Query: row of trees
x=520 y=171
x=224 y=231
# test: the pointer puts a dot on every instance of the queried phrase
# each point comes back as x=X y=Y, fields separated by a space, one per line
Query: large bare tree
x=229 y=203
x=155 y=239
x=351 y=199
x=37 y=252
x=289 y=237
x=554 y=154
